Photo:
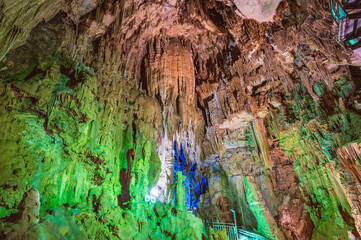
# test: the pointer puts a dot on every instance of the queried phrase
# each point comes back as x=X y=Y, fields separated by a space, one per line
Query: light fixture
x=150 y=198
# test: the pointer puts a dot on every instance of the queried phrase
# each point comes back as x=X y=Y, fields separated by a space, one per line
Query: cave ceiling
x=101 y=102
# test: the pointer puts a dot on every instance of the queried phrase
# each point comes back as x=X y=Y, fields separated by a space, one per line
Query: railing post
x=235 y=223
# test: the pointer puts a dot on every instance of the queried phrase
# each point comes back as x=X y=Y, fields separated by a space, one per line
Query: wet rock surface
x=259 y=93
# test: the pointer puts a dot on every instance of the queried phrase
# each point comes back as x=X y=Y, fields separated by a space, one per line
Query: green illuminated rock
x=72 y=151
x=94 y=93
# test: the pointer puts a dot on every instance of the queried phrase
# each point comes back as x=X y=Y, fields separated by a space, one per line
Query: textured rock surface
x=263 y=10
x=94 y=94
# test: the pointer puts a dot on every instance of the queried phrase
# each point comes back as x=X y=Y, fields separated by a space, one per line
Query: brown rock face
x=288 y=194
x=258 y=91
x=27 y=216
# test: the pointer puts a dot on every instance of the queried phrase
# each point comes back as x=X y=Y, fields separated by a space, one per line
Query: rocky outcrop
x=18 y=18
x=95 y=93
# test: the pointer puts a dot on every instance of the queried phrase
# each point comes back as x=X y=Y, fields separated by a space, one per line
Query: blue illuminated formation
x=195 y=184
x=182 y=158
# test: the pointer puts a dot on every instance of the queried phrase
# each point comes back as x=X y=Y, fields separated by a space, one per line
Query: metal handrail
x=251 y=234
x=341 y=16
x=234 y=233
x=223 y=224
x=230 y=228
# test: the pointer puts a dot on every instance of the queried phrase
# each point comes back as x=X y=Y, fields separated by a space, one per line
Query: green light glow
x=71 y=146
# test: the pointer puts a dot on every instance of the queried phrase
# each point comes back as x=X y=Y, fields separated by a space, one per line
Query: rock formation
x=95 y=96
